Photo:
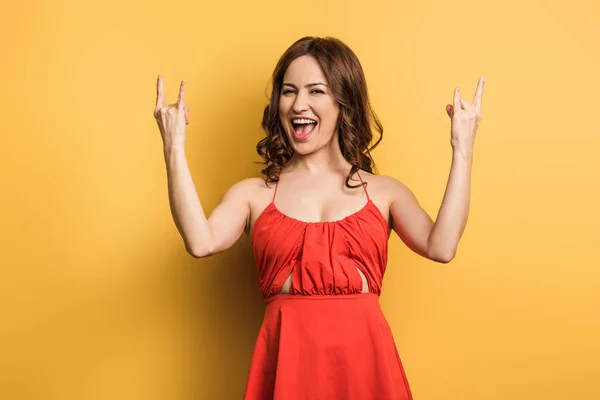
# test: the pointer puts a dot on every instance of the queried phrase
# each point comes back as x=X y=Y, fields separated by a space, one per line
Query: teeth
x=303 y=121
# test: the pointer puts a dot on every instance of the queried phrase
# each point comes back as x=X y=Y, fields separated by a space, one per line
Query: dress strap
x=364 y=186
x=276 y=186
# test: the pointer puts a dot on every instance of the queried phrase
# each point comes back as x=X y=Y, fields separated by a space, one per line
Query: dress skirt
x=318 y=347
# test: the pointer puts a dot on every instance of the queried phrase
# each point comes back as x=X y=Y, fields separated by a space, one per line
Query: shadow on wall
x=225 y=307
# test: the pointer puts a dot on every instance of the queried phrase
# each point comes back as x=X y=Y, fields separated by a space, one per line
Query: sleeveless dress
x=325 y=340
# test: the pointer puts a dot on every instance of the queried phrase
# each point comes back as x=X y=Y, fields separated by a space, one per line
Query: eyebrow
x=306 y=86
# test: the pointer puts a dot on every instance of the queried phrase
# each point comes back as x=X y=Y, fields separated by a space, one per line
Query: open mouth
x=303 y=127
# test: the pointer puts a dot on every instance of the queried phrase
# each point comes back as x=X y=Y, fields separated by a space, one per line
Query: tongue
x=304 y=129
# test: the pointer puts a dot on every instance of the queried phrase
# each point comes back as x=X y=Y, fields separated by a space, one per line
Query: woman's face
x=307 y=109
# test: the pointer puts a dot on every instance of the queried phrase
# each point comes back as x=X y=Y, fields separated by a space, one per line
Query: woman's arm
x=453 y=214
x=439 y=241
x=436 y=241
x=204 y=237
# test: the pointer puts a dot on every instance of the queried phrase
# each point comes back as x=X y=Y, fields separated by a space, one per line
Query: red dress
x=325 y=340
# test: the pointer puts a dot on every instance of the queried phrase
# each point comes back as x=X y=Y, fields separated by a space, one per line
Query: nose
x=300 y=104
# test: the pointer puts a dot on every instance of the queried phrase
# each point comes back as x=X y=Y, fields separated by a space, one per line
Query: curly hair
x=346 y=78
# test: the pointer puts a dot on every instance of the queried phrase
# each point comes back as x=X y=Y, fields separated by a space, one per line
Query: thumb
x=450 y=110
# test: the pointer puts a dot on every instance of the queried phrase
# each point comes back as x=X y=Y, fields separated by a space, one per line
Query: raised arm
x=202 y=236
x=436 y=241
x=439 y=241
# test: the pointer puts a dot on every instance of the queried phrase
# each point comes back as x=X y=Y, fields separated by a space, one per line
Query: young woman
x=319 y=220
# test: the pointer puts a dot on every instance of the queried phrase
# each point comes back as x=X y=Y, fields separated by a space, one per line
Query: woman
x=319 y=222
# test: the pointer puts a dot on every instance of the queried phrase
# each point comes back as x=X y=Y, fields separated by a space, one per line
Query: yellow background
x=99 y=299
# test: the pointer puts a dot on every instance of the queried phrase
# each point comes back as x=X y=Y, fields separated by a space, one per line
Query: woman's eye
x=312 y=91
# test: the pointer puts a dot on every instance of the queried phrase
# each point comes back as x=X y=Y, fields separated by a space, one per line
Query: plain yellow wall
x=99 y=299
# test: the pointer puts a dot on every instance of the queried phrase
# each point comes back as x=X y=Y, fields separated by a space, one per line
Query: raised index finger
x=160 y=92
x=478 y=94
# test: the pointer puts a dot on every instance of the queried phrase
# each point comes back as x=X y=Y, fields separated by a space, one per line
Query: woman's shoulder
x=251 y=187
x=250 y=184
x=380 y=180
x=384 y=184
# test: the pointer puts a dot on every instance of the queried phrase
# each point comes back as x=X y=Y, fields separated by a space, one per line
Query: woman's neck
x=328 y=158
x=318 y=162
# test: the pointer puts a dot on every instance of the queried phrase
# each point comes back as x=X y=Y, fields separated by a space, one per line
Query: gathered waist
x=323 y=297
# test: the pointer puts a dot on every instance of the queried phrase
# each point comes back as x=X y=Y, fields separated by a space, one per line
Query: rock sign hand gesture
x=465 y=119
x=171 y=118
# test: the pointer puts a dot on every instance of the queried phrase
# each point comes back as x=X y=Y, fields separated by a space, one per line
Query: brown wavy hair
x=356 y=120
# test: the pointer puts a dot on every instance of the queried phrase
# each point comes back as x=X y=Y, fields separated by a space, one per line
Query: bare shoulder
x=246 y=186
x=385 y=187
x=257 y=194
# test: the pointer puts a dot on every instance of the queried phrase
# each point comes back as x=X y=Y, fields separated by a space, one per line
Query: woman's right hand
x=171 y=118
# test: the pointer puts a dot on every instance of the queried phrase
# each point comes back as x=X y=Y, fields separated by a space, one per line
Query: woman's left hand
x=465 y=119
